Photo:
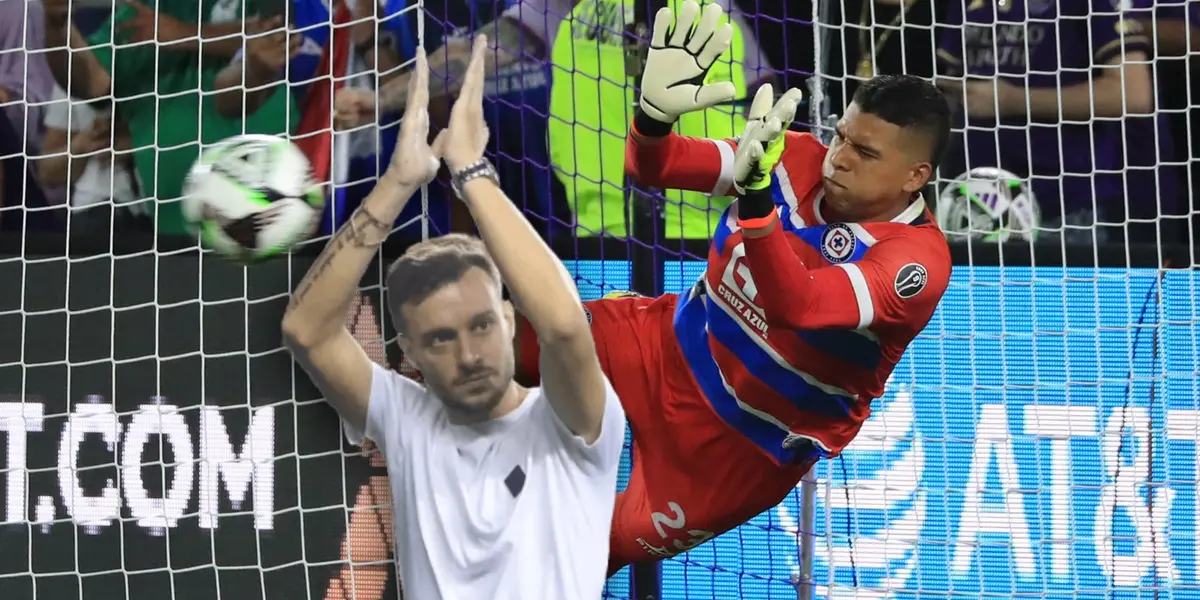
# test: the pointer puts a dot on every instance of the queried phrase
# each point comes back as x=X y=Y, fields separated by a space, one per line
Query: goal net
x=1037 y=440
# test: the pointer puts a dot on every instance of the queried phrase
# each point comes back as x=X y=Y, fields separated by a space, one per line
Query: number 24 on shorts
x=672 y=528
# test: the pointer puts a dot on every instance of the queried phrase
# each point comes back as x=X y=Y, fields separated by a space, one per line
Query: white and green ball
x=990 y=204
x=252 y=197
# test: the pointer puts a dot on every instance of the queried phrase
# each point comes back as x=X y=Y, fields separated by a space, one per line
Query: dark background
x=199 y=333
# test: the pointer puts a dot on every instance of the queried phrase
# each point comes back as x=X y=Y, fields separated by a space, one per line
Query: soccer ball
x=989 y=204
x=252 y=197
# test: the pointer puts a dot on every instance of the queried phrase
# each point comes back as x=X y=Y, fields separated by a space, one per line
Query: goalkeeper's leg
x=649 y=520
x=694 y=475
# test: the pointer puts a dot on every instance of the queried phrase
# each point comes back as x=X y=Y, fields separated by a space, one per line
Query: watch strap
x=480 y=168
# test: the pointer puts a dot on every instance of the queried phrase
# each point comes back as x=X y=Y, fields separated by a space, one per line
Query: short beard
x=472 y=412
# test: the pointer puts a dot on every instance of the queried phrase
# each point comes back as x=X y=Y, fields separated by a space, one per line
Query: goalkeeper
x=818 y=277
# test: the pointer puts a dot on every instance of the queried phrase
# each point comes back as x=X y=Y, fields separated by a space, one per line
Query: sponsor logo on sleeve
x=910 y=280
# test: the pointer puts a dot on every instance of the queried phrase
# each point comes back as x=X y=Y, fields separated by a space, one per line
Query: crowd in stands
x=104 y=110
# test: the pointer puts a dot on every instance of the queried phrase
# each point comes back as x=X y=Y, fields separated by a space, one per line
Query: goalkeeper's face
x=872 y=166
x=461 y=339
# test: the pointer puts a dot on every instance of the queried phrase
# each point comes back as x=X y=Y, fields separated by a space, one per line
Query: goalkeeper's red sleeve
x=899 y=280
x=680 y=163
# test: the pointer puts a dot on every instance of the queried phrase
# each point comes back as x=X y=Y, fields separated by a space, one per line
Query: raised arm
x=859 y=295
x=672 y=161
x=71 y=61
x=249 y=80
x=541 y=289
x=682 y=50
x=314 y=325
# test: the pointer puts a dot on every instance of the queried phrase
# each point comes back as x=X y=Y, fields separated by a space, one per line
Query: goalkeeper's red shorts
x=694 y=477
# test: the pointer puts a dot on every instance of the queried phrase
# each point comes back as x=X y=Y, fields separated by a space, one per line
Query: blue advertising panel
x=1038 y=439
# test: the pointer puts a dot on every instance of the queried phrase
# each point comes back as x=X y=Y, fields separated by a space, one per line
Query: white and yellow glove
x=761 y=144
x=683 y=48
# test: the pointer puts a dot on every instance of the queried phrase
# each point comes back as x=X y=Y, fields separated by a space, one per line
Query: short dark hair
x=911 y=103
x=431 y=265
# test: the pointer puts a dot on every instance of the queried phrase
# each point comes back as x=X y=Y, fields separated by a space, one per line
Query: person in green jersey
x=591 y=105
x=157 y=80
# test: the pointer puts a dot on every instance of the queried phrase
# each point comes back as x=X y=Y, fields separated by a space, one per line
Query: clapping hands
x=415 y=162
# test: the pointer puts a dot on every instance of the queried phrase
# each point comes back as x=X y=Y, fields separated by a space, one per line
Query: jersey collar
x=914 y=212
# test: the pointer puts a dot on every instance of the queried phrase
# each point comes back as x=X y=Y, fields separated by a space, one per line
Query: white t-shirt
x=99 y=181
x=514 y=508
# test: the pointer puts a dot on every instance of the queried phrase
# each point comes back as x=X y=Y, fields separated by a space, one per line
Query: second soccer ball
x=989 y=204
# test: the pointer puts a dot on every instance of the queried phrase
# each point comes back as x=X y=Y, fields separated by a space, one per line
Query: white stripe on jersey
x=725 y=178
x=789 y=196
x=862 y=294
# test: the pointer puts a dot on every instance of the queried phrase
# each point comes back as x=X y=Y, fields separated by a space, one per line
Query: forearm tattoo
x=363 y=231
x=367 y=231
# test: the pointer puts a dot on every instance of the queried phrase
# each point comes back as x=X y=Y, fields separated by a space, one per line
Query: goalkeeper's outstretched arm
x=314 y=325
x=683 y=48
x=540 y=286
x=858 y=295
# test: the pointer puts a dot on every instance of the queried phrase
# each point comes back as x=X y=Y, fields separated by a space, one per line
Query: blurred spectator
x=157 y=86
x=25 y=87
x=1174 y=26
x=26 y=83
x=303 y=56
x=85 y=152
x=19 y=189
x=880 y=37
x=1154 y=169
x=380 y=40
x=249 y=80
x=1043 y=86
x=516 y=94
x=1175 y=32
x=591 y=107
x=785 y=34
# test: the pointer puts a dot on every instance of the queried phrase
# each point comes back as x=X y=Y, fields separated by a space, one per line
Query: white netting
x=159 y=442
x=1037 y=440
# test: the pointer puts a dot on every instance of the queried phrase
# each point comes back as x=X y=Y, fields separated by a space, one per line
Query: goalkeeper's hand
x=679 y=59
x=761 y=144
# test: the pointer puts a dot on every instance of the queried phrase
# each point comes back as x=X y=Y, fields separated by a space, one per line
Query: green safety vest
x=157 y=94
x=591 y=106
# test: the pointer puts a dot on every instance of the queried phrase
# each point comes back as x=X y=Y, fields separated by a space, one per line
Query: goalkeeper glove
x=679 y=59
x=761 y=144
x=759 y=149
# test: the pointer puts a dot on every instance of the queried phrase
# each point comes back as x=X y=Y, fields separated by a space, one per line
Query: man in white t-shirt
x=498 y=491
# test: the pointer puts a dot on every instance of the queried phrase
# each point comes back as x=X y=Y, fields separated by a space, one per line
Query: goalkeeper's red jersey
x=792 y=335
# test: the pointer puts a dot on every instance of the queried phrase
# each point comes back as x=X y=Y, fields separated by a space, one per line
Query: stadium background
x=1038 y=440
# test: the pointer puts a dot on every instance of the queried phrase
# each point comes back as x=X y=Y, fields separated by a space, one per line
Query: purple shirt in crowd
x=25 y=75
x=1049 y=44
x=1181 y=10
x=1149 y=142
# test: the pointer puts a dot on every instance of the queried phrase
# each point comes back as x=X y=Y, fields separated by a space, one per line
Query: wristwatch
x=480 y=168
